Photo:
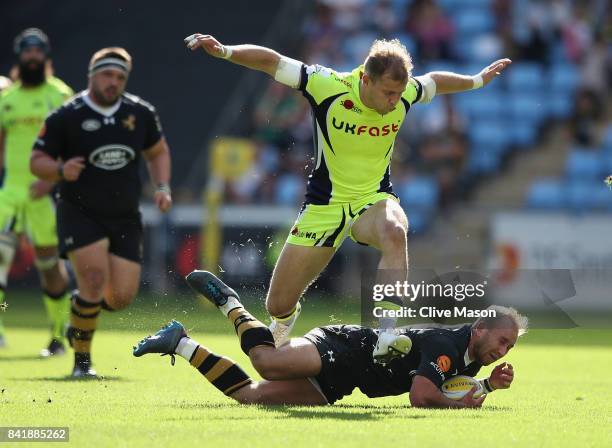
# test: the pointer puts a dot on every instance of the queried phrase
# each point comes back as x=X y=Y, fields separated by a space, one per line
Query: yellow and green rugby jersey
x=22 y=114
x=353 y=143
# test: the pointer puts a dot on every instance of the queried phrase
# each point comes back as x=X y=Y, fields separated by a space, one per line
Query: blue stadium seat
x=488 y=104
x=470 y=21
x=523 y=133
x=525 y=77
x=421 y=191
x=490 y=133
x=418 y=219
x=588 y=195
x=531 y=107
x=288 y=189
x=483 y=160
x=563 y=77
x=560 y=104
x=548 y=194
x=584 y=165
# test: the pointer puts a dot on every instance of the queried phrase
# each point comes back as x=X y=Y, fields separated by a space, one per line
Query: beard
x=32 y=73
x=101 y=99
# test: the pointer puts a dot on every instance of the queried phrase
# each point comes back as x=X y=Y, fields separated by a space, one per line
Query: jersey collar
x=106 y=111
x=466 y=358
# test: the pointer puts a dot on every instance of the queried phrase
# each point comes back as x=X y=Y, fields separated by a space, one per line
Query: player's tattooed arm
x=158 y=165
x=251 y=56
x=425 y=394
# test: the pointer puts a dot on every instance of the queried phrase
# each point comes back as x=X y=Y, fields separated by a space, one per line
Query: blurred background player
x=25 y=204
x=93 y=146
x=357 y=116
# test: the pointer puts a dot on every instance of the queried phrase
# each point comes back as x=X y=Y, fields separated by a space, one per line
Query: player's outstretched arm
x=251 y=56
x=437 y=83
x=425 y=394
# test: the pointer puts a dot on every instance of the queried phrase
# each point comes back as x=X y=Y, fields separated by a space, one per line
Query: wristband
x=164 y=188
x=486 y=384
x=227 y=52
x=478 y=81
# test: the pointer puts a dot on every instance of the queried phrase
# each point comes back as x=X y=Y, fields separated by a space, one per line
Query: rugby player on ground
x=25 y=204
x=356 y=117
x=329 y=362
x=92 y=146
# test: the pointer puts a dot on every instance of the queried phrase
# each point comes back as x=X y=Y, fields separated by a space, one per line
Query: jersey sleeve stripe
x=419 y=90
x=303 y=79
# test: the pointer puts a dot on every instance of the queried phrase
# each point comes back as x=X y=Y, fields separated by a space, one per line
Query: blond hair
x=503 y=312
x=388 y=57
x=111 y=52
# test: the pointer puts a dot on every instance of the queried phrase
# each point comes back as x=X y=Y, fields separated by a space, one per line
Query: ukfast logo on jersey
x=372 y=131
x=112 y=157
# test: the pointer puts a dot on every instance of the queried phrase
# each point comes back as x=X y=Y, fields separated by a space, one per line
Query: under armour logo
x=69 y=241
x=331 y=356
x=109 y=120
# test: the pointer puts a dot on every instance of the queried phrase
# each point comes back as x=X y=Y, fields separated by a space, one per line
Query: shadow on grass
x=70 y=379
x=338 y=411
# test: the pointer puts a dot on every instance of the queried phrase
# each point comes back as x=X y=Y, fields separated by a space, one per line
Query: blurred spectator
x=596 y=72
x=382 y=19
x=533 y=29
x=431 y=29
x=587 y=113
x=577 y=33
x=277 y=111
x=442 y=156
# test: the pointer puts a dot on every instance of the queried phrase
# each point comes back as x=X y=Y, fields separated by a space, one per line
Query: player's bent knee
x=95 y=280
x=393 y=234
x=277 y=309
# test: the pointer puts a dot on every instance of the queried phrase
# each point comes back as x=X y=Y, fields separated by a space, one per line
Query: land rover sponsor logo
x=111 y=157
x=91 y=125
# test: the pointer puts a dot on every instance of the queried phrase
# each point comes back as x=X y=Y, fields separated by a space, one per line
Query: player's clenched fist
x=71 y=169
x=163 y=200
x=208 y=43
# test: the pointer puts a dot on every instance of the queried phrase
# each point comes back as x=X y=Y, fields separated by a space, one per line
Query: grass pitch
x=560 y=397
